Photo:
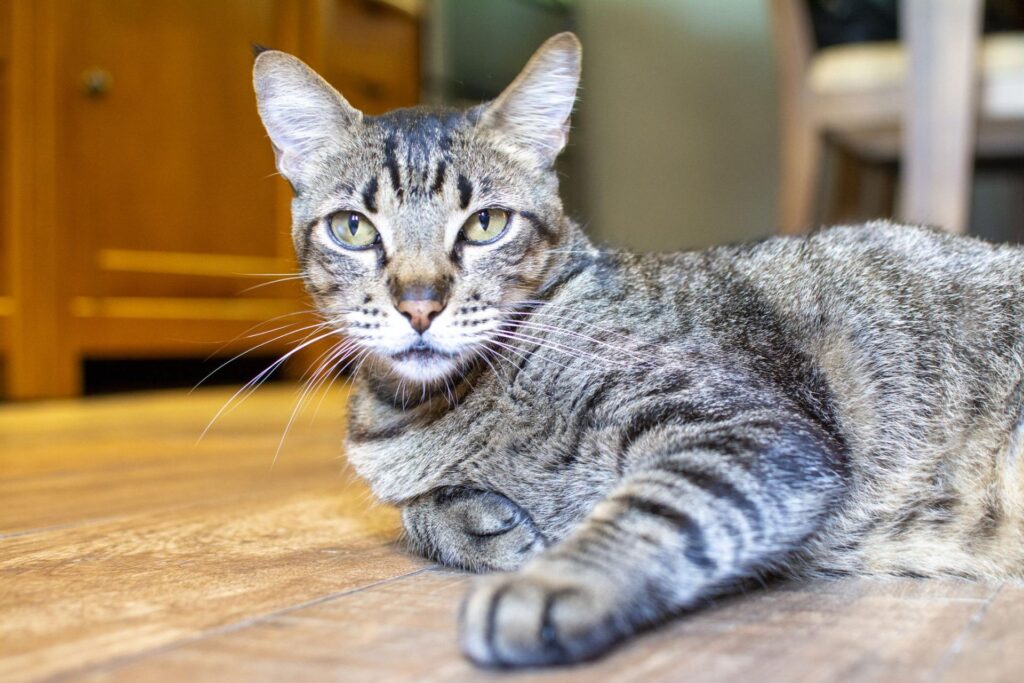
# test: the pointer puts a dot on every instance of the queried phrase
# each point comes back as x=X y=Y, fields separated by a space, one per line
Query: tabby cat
x=623 y=435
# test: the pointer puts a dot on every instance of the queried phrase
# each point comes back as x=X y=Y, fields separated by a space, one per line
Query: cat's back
x=879 y=277
x=875 y=257
x=918 y=334
x=914 y=315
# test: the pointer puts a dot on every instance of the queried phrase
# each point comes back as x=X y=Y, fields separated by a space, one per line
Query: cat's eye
x=485 y=226
x=352 y=230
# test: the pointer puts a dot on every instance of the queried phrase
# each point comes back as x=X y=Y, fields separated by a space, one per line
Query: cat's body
x=629 y=433
x=903 y=346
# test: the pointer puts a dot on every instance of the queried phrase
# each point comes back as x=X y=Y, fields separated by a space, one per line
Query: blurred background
x=144 y=236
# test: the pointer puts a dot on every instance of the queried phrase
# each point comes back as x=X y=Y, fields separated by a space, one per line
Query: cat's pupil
x=353 y=223
x=485 y=218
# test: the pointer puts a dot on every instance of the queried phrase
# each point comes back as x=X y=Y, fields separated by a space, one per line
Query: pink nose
x=420 y=312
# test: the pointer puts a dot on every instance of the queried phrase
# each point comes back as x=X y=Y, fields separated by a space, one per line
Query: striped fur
x=625 y=435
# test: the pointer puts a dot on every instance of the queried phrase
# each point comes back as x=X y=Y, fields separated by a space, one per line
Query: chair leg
x=844 y=203
x=938 y=142
x=801 y=156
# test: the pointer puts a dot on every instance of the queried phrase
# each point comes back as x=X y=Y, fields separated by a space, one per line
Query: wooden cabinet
x=138 y=195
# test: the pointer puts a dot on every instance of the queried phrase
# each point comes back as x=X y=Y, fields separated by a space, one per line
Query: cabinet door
x=137 y=189
x=166 y=191
x=6 y=300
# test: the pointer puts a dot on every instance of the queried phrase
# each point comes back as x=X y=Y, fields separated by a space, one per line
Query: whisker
x=254 y=348
x=558 y=330
x=557 y=346
x=256 y=381
x=323 y=370
x=267 y=372
x=336 y=374
x=522 y=355
x=479 y=353
x=555 y=316
x=253 y=327
x=271 y=282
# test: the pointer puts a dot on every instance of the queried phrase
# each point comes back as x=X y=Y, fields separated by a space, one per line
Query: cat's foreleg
x=680 y=527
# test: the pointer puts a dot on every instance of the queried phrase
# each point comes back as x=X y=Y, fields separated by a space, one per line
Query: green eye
x=485 y=226
x=352 y=230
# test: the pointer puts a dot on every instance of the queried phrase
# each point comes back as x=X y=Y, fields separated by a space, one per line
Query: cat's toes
x=481 y=513
x=472 y=529
x=534 y=618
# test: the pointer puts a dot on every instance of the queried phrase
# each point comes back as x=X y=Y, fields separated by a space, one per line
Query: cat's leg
x=681 y=526
x=471 y=529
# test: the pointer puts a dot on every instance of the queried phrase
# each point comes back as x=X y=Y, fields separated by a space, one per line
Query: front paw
x=541 y=616
x=471 y=529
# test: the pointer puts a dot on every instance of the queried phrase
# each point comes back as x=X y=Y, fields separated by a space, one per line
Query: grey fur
x=633 y=433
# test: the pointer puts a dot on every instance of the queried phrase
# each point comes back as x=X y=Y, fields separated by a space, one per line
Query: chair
x=933 y=101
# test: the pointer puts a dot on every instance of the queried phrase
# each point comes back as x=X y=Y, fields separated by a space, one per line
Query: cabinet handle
x=96 y=82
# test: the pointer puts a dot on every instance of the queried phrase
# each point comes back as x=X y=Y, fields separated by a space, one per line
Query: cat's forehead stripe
x=414 y=141
x=370 y=195
x=465 y=191
x=391 y=162
x=439 y=177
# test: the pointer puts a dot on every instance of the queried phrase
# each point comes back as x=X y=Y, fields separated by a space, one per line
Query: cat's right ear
x=533 y=112
x=304 y=116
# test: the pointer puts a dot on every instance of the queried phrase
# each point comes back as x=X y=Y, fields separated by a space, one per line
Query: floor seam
x=159 y=508
x=958 y=643
x=118 y=662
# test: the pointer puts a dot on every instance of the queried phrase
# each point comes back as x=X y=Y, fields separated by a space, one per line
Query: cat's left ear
x=305 y=117
x=533 y=112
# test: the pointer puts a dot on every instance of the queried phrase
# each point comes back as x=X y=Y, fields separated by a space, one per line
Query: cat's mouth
x=424 y=362
x=422 y=351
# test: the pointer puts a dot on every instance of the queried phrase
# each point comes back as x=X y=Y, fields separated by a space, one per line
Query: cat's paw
x=540 y=616
x=471 y=529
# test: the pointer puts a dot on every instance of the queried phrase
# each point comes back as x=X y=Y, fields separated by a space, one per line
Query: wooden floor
x=129 y=552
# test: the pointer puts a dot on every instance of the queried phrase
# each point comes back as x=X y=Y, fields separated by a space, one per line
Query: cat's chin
x=425 y=367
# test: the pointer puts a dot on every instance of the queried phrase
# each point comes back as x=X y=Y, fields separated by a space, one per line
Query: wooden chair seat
x=858 y=95
x=940 y=97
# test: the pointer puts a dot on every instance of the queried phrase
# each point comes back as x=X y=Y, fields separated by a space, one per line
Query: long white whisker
x=530 y=313
x=336 y=373
x=513 y=364
x=558 y=330
x=522 y=355
x=271 y=282
x=256 y=326
x=258 y=379
x=308 y=388
x=254 y=348
x=557 y=346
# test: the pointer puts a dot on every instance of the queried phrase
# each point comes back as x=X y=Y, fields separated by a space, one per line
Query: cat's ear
x=304 y=116
x=533 y=112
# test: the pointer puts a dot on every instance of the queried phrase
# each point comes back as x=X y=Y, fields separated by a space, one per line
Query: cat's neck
x=569 y=259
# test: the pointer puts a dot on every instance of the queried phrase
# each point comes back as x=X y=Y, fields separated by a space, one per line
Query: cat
x=619 y=436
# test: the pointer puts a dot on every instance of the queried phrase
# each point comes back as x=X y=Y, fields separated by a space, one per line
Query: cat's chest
x=503 y=437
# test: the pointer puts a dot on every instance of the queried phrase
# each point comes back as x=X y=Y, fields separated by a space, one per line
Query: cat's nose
x=420 y=308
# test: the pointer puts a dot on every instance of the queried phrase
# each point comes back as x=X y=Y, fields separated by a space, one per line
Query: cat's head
x=417 y=231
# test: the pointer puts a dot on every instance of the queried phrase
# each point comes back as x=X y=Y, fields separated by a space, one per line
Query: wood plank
x=128 y=552
x=851 y=630
x=191 y=263
x=124 y=536
x=141 y=582
x=989 y=650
